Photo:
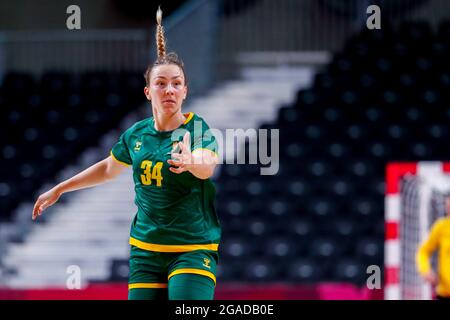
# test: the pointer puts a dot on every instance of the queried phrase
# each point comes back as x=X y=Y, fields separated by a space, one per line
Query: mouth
x=169 y=101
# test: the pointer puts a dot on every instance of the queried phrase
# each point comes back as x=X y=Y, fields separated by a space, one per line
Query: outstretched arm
x=96 y=174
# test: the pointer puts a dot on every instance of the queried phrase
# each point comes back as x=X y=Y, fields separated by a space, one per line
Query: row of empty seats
x=47 y=122
x=384 y=98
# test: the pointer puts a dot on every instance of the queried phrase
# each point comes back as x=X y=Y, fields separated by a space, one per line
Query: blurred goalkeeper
x=439 y=238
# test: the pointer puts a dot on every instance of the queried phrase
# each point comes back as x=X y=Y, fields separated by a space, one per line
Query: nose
x=169 y=89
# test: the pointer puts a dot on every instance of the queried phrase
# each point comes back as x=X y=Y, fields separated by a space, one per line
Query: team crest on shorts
x=206 y=263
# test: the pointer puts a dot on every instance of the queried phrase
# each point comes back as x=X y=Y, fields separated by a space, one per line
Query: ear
x=147 y=93
x=185 y=92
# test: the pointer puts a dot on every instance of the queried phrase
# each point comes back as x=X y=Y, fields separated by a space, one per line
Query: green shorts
x=152 y=270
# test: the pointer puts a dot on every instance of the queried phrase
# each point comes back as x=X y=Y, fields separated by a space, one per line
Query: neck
x=168 y=122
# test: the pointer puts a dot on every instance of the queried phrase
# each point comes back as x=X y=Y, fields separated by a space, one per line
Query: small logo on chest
x=137 y=146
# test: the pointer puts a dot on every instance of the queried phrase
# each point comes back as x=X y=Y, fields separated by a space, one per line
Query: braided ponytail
x=160 y=41
x=162 y=57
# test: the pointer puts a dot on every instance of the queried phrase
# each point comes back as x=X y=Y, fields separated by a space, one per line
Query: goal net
x=415 y=198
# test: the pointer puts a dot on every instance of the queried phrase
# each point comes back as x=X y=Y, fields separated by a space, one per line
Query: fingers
x=43 y=207
x=185 y=146
x=434 y=279
x=175 y=163
x=433 y=282
x=187 y=139
x=180 y=161
x=178 y=166
x=38 y=208
x=431 y=278
x=177 y=170
x=182 y=147
x=34 y=214
x=176 y=156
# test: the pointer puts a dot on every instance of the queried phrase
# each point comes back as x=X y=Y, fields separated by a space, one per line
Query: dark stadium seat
x=305 y=270
x=301 y=228
x=370 y=250
x=232 y=225
x=261 y=270
x=236 y=207
x=297 y=187
x=237 y=247
x=349 y=270
x=255 y=187
x=325 y=248
x=17 y=83
x=227 y=271
x=48 y=119
x=281 y=247
x=278 y=208
x=344 y=227
x=120 y=270
x=258 y=227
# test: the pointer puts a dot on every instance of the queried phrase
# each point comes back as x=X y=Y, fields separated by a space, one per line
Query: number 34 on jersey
x=151 y=172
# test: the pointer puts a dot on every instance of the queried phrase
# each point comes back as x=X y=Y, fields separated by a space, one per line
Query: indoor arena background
x=347 y=98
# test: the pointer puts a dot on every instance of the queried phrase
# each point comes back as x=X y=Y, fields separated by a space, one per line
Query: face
x=167 y=89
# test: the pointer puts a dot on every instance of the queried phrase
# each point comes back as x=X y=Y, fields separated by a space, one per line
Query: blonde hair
x=163 y=58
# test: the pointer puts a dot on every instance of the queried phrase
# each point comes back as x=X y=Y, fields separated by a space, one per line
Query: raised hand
x=182 y=161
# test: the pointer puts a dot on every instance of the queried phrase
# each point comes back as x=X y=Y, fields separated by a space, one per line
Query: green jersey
x=176 y=212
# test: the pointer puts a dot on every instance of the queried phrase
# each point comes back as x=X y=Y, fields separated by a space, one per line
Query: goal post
x=415 y=195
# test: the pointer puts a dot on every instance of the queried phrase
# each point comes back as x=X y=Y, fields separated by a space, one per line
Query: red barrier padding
x=227 y=291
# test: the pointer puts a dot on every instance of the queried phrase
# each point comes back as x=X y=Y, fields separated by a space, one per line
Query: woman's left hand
x=182 y=161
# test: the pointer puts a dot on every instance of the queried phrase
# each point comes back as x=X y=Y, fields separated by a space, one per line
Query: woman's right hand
x=431 y=278
x=44 y=201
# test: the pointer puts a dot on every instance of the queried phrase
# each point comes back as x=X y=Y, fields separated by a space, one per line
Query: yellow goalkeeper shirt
x=439 y=237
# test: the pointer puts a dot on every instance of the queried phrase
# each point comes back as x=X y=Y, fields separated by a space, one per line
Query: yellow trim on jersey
x=121 y=162
x=189 y=117
x=215 y=153
x=147 y=286
x=195 y=271
x=172 y=248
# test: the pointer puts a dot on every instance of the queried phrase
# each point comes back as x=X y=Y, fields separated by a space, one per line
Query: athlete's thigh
x=148 y=276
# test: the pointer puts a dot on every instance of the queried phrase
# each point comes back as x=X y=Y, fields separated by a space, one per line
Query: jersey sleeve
x=427 y=248
x=206 y=141
x=120 y=151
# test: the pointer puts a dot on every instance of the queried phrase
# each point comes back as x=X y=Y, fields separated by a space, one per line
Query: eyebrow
x=178 y=76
